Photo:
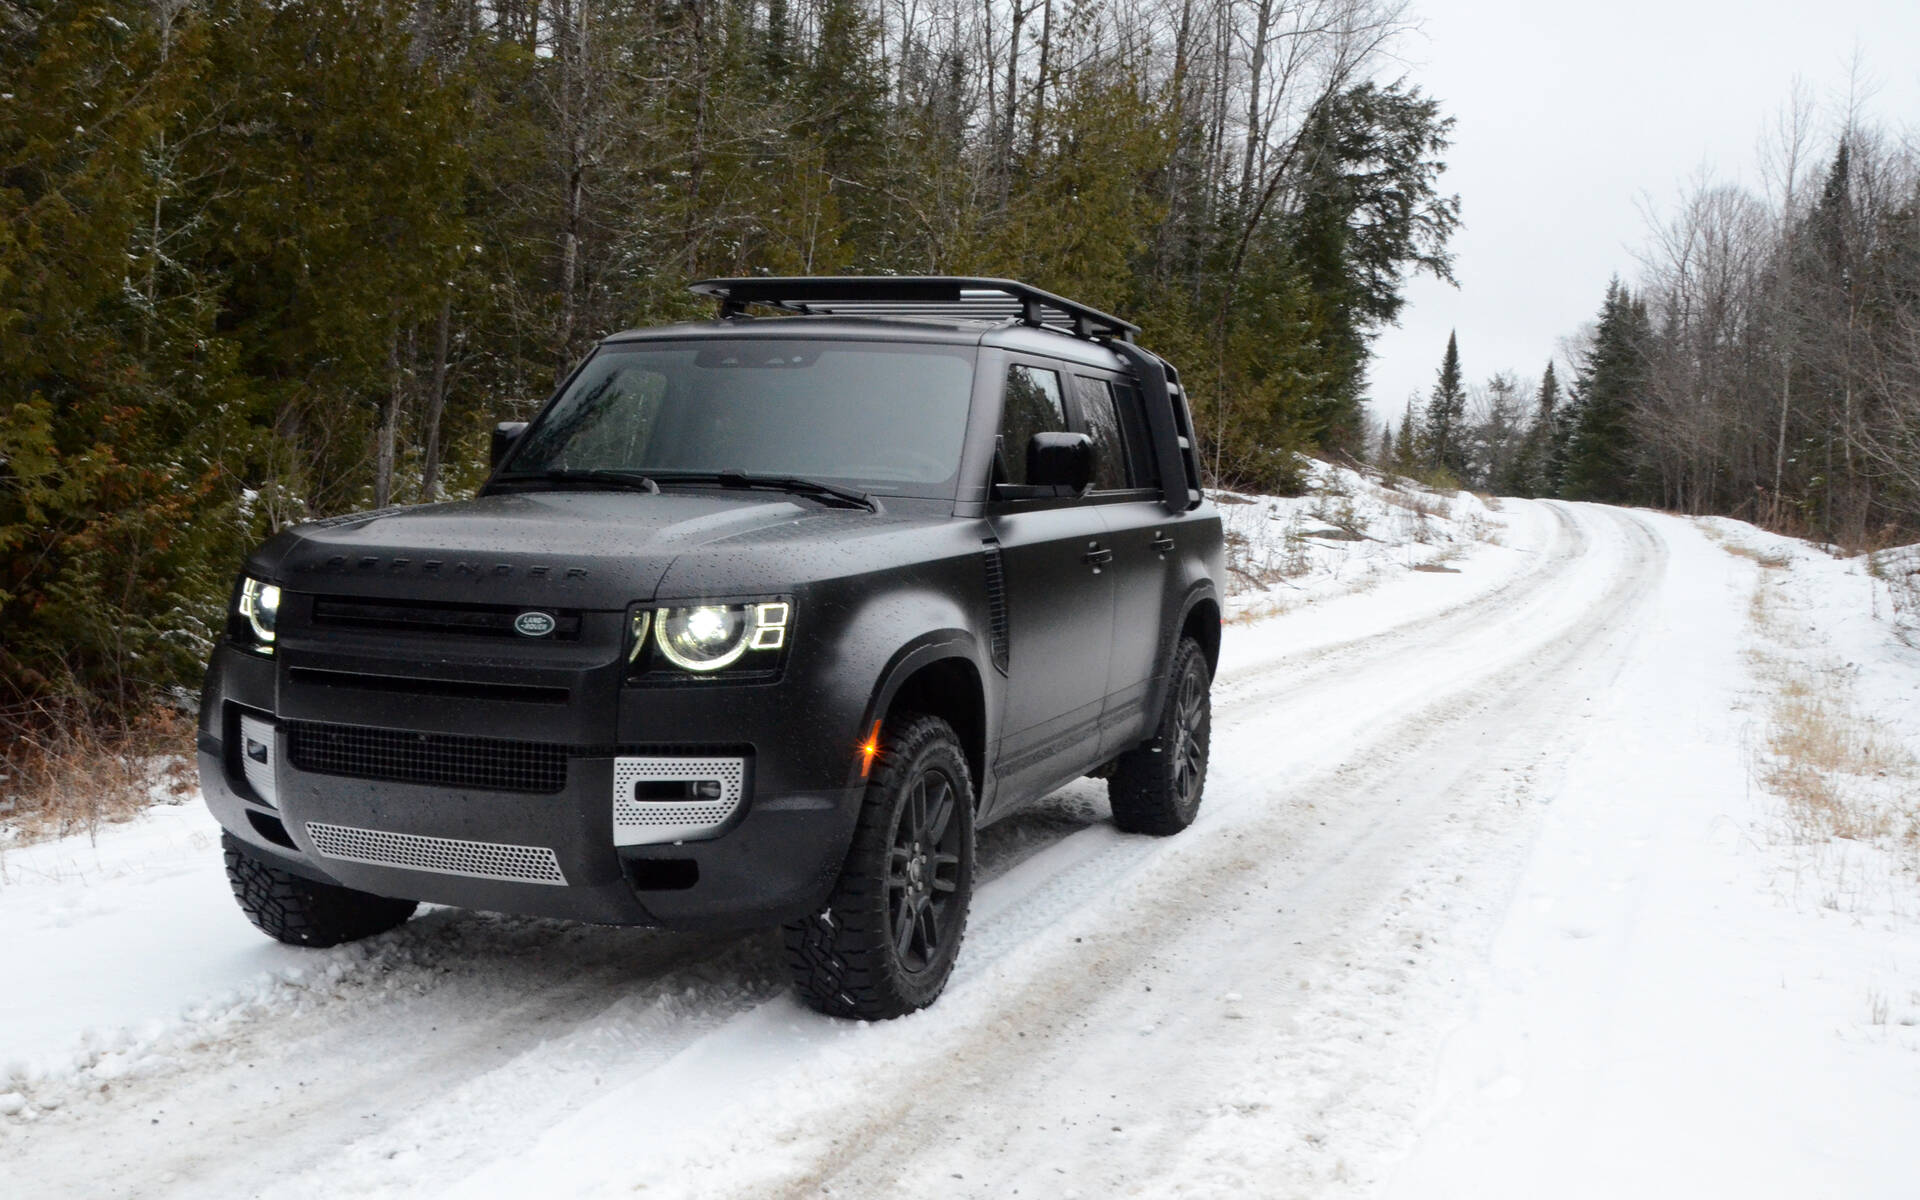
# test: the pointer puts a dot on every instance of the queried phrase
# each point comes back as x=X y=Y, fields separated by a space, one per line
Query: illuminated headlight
x=709 y=637
x=259 y=609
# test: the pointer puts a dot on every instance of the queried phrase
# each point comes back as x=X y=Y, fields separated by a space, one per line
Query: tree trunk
x=389 y=426
x=436 y=400
x=1040 y=86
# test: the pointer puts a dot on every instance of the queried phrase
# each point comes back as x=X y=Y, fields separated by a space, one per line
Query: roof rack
x=952 y=297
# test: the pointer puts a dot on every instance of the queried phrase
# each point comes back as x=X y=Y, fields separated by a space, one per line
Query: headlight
x=709 y=637
x=259 y=609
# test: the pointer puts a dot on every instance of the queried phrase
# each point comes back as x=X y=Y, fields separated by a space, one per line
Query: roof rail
x=952 y=297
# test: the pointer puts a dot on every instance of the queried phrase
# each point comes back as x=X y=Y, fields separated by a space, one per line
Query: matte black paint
x=1098 y=588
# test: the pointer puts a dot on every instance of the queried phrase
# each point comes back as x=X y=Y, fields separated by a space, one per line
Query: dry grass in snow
x=1839 y=737
x=1350 y=530
x=72 y=776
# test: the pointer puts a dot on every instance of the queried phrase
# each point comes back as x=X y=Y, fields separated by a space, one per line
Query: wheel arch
x=1201 y=622
x=940 y=676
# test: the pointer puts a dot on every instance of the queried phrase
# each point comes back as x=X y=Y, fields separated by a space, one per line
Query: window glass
x=1103 y=425
x=1032 y=406
x=887 y=418
x=1133 y=422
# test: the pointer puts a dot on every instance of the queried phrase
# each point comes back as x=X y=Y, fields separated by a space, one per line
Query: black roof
x=946 y=297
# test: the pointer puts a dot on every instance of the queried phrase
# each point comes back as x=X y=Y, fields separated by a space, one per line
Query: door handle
x=1096 y=556
x=1162 y=544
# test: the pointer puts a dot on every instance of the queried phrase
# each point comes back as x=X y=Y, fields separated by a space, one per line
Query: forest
x=1763 y=364
x=263 y=262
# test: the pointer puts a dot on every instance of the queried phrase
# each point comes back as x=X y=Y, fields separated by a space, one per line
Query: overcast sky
x=1570 y=117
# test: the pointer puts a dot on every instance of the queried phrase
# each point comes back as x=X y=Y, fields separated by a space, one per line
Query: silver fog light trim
x=257 y=754
x=650 y=816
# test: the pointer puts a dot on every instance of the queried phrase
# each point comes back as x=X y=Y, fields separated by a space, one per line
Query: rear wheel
x=305 y=912
x=1156 y=786
x=885 y=942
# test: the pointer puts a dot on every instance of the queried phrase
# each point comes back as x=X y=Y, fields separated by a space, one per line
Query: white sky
x=1570 y=117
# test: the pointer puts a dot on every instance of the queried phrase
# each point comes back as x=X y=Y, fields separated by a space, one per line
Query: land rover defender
x=753 y=624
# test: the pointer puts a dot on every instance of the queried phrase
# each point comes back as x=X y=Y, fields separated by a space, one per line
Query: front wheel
x=1156 y=786
x=885 y=942
x=305 y=912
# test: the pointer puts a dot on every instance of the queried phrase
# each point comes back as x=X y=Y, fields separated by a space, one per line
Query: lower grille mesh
x=445 y=856
x=447 y=760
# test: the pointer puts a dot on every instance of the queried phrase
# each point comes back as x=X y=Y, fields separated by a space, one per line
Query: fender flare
x=1201 y=591
x=935 y=646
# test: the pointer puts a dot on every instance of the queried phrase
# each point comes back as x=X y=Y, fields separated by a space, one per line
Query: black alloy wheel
x=1189 y=750
x=885 y=942
x=1156 y=787
x=924 y=908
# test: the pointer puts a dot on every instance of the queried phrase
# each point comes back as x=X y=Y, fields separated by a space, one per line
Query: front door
x=1056 y=555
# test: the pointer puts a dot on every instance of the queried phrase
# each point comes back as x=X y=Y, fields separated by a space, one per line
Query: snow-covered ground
x=1489 y=897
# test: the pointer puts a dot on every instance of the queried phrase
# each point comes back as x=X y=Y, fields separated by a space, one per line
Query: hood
x=578 y=549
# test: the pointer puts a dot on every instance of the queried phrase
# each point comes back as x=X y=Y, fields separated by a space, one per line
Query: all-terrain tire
x=304 y=912
x=1156 y=787
x=886 y=941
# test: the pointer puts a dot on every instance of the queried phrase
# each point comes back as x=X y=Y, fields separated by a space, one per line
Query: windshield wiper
x=826 y=493
x=630 y=480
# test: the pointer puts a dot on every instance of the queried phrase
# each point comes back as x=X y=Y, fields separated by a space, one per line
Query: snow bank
x=1348 y=532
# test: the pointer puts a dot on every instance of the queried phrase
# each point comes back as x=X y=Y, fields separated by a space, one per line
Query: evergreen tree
x=1409 y=456
x=1446 y=414
x=1371 y=213
x=1531 y=472
x=1601 y=453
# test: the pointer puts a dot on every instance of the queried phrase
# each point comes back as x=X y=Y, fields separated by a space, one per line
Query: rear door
x=1125 y=492
x=1060 y=588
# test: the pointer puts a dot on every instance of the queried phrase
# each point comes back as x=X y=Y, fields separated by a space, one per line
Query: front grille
x=416 y=616
x=412 y=685
x=447 y=760
x=445 y=856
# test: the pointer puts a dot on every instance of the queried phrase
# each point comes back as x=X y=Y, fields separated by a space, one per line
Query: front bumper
x=555 y=853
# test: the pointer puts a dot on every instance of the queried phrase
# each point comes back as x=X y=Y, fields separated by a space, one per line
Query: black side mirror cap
x=505 y=434
x=1060 y=460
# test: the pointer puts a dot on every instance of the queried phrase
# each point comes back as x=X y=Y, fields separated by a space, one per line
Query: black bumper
x=777 y=858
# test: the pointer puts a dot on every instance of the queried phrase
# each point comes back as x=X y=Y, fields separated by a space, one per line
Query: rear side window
x=1133 y=423
x=1032 y=406
x=1111 y=468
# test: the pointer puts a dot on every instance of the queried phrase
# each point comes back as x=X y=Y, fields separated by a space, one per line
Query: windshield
x=882 y=417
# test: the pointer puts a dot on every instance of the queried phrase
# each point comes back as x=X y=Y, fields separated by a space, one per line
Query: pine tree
x=1531 y=473
x=1446 y=413
x=1408 y=454
x=1370 y=213
x=1601 y=453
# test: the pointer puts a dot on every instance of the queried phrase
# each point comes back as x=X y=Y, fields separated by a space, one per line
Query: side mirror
x=505 y=434
x=1060 y=460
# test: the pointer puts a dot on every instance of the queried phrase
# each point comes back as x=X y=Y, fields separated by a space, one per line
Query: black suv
x=754 y=623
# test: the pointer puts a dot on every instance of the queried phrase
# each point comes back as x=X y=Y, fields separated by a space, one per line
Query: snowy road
x=1278 y=1002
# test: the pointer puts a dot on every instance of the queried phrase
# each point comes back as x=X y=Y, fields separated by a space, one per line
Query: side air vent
x=996 y=606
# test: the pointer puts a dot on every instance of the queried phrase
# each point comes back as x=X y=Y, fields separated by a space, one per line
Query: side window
x=1133 y=422
x=1032 y=406
x=1110 y=472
